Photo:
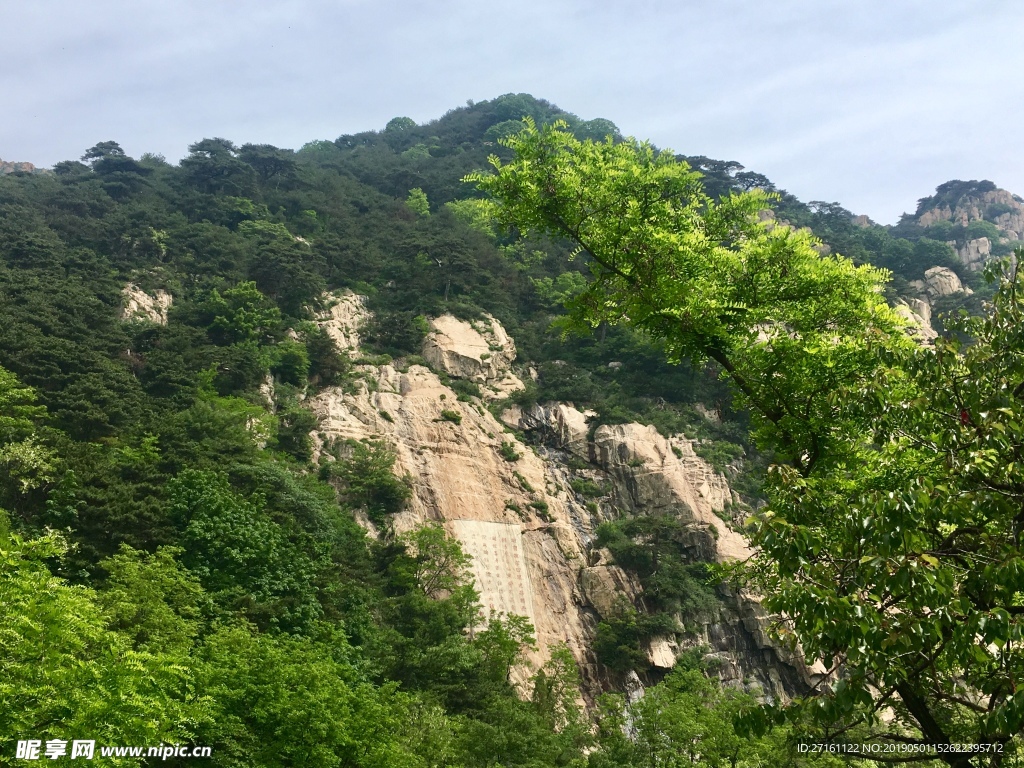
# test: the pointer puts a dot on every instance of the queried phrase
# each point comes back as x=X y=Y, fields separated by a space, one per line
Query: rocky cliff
x=149 y=307
x=512 y=506
x=7 y=166
x=982 y=220
x=983 y=202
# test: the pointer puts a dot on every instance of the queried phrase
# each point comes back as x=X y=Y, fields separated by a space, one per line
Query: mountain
x=7 y=166
x=977 y=218
x=243 y=388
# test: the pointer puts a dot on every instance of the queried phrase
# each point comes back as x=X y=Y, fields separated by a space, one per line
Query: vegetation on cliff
x=193 y=578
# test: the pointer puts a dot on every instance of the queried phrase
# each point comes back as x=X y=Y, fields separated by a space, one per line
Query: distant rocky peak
x=977 y=218
x=6 y=166
x=963 y=202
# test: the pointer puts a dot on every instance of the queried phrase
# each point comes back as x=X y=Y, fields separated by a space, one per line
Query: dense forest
x=177 y=569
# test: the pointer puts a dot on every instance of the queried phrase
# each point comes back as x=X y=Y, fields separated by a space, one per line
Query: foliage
x=282 y=701
x=453 y=416
x=706 y=277
x=688 y=719
x=366 y=480
x=240 y=555
x=664 y=554
x=888 y=544
x=66 y=673
x=417 y=202
x=205 y=557
x=508 y=452
x=153 y=599
x=904 y=568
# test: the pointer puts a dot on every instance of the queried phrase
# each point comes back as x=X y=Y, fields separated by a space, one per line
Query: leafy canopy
x=890 y=544
x=792 y=328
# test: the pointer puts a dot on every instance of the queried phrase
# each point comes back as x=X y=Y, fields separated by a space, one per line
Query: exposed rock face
x=651 y=478
x=938 y=282
x=942 y=281
x=530 y=536
x=139 y=305
x=974 y=253
x=480 y=351
x=917 y=315
x=7 y=166
x=557 y=423
x=345 y=314
x=605 y=587
x=460 y=478
x=964 y=202
x=1002 y=208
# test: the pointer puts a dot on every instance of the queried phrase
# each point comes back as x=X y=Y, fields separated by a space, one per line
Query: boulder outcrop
x=974 y=253
x=940 y=281
x=150 y=307
x=999 y=206
x=344 y=315
x=559 y=424
x=480 y=351
x=917 y=315
x=529 y=534
x=8 y=166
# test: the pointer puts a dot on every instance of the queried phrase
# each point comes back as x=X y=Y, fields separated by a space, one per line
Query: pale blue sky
x=868 y=103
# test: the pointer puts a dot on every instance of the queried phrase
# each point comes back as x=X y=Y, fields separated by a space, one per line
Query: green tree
x=269 y=162
x=240 y=555
x=27 y=462
x=213 y=166
x=789 y=327
x=153 y=599
x=64 y=672
x=889 y=540
x=904 y=570
x=417 y=202
x=689 y=720
x=282 y=701
x=243 y=314
x=367 y=480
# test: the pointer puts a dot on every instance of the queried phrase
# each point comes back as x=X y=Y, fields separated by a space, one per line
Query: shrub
x=453 y=416
x=367 y=480
x=523 y=482
x=509 y=453
x=587 y=488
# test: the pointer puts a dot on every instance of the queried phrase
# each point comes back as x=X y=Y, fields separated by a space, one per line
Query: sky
x=870 y=104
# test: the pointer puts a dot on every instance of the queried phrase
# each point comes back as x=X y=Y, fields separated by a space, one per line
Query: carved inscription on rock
x=499 y=565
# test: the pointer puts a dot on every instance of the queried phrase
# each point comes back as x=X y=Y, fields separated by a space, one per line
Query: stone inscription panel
x=499 y=565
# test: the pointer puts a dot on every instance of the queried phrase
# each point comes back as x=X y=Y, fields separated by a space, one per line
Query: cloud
x=870 y=104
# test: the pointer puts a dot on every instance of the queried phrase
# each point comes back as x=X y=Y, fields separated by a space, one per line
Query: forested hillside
x=181 y=561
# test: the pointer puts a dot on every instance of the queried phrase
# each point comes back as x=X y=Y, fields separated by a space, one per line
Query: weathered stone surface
x=974 y=253
x=139 y=305
x=498 y=566
x=460 y=348
x=480 y=351
x=8 y=166
x=917 y=319
x=662 y=653
x=345 y=314
x=458 y=475
x=607 y=587
x=651 y=479
x=560 y=424
x=942 y=281
x=529 y=534
x=1010 y=217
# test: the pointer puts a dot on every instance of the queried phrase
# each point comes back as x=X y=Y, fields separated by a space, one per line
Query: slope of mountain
x=270 y=368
